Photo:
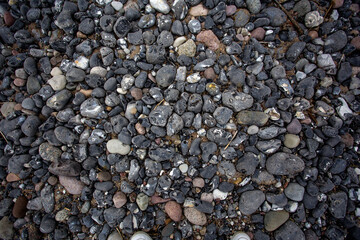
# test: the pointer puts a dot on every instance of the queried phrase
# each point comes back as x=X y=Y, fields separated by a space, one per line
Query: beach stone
x=6 y=229
x=258 y=33
x=195 y=216
x=19 y=209
x=294 y=126
x=290 y=230
x=338 y=204
x=166 y=76
x=274 y=219
x=119 y=199
x=142 y=201
x=250 y=201
x=254 y=6
x=71 y=184
x=49 y=153
x=198 y=10
x=160 y=6
x=335 y=42
x=295 y=192
x=116 y=146
x=188 y=48
x=237 y=101
x=173 y=209
x=282 y=163
x=277 y=17
x=291 y=141
x=209 y=39
x=12 y=177
x=59 y=100
x=242 y=17
x=252 y=118
x=91 y=108
x=7 y=108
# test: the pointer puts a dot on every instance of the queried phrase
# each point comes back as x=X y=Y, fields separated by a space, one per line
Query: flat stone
x=295 y=192
x=173 y=209
x=71 y=184
x=19 y=209
x=291 y=141
x=252 y=118
x=49 y=153
x=284 y=164
x=274 y=219
x=116 y=146
x=209 y=39
x=250 y=201
x=7 y=108
x=290 y=230
x=188 y=48
x=6 y=229
x=237 y=101
x=119 y=199
x=198 y=10
x=195 y=216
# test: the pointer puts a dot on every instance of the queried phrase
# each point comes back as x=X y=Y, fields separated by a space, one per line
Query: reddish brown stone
x=104 y=176
x=19 y=82
x=209 y=73
x=356 y=42
x=338 y=3
x=258 y=33
x=209 y=39
x=230 y=10
x=8 y=19
x=156 y=199
x=313 y=34
x=19 y=209
x=119 y=199
x=136 y=93
x=173 y=209
x=12 y=177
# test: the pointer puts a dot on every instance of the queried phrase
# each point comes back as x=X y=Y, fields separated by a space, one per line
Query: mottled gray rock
x=166 y=76
x=237 y=101
x=284 y=164
x=338 y=204
x=159 y=116
x=92 y=108
x=290 y=230
x=250 y=201
x=247 y=163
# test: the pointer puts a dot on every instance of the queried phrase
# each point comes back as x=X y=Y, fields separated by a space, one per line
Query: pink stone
x=209 y=38
x=198 y=10
x=198 y=182
x=338 y=3
x=294 y=126
x=230 y=10
x=71 y=184
x=173 y=209
x=209 y=73
x=156 y=199
x=8 y=19
x=240 y=37
x=258 y=33
x=19 y=82
x=119 y=199
x=136 y=93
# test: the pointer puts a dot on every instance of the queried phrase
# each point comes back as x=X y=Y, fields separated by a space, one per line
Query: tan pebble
x=313 y=34
x=12 y=177
x=140 y=129
x=173 y=209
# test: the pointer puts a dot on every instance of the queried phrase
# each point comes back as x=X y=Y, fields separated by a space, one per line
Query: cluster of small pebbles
x=185 y=119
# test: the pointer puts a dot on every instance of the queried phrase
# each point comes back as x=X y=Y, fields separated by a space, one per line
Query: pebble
x=7 y=108
x=195 y=216
x=173 y=209
x=291 y=140
x=71 y=184
x=282 y=163
x=19 y=210
x=313 y=19
x=209 y=39
x=274 y=219
x=119 y=199
x=198 y=10
x=6 y=228
x=160 y=5
x=116 y=146
x=252 y=118
x=290 y=230
x=250 y=201
x=295 y=192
